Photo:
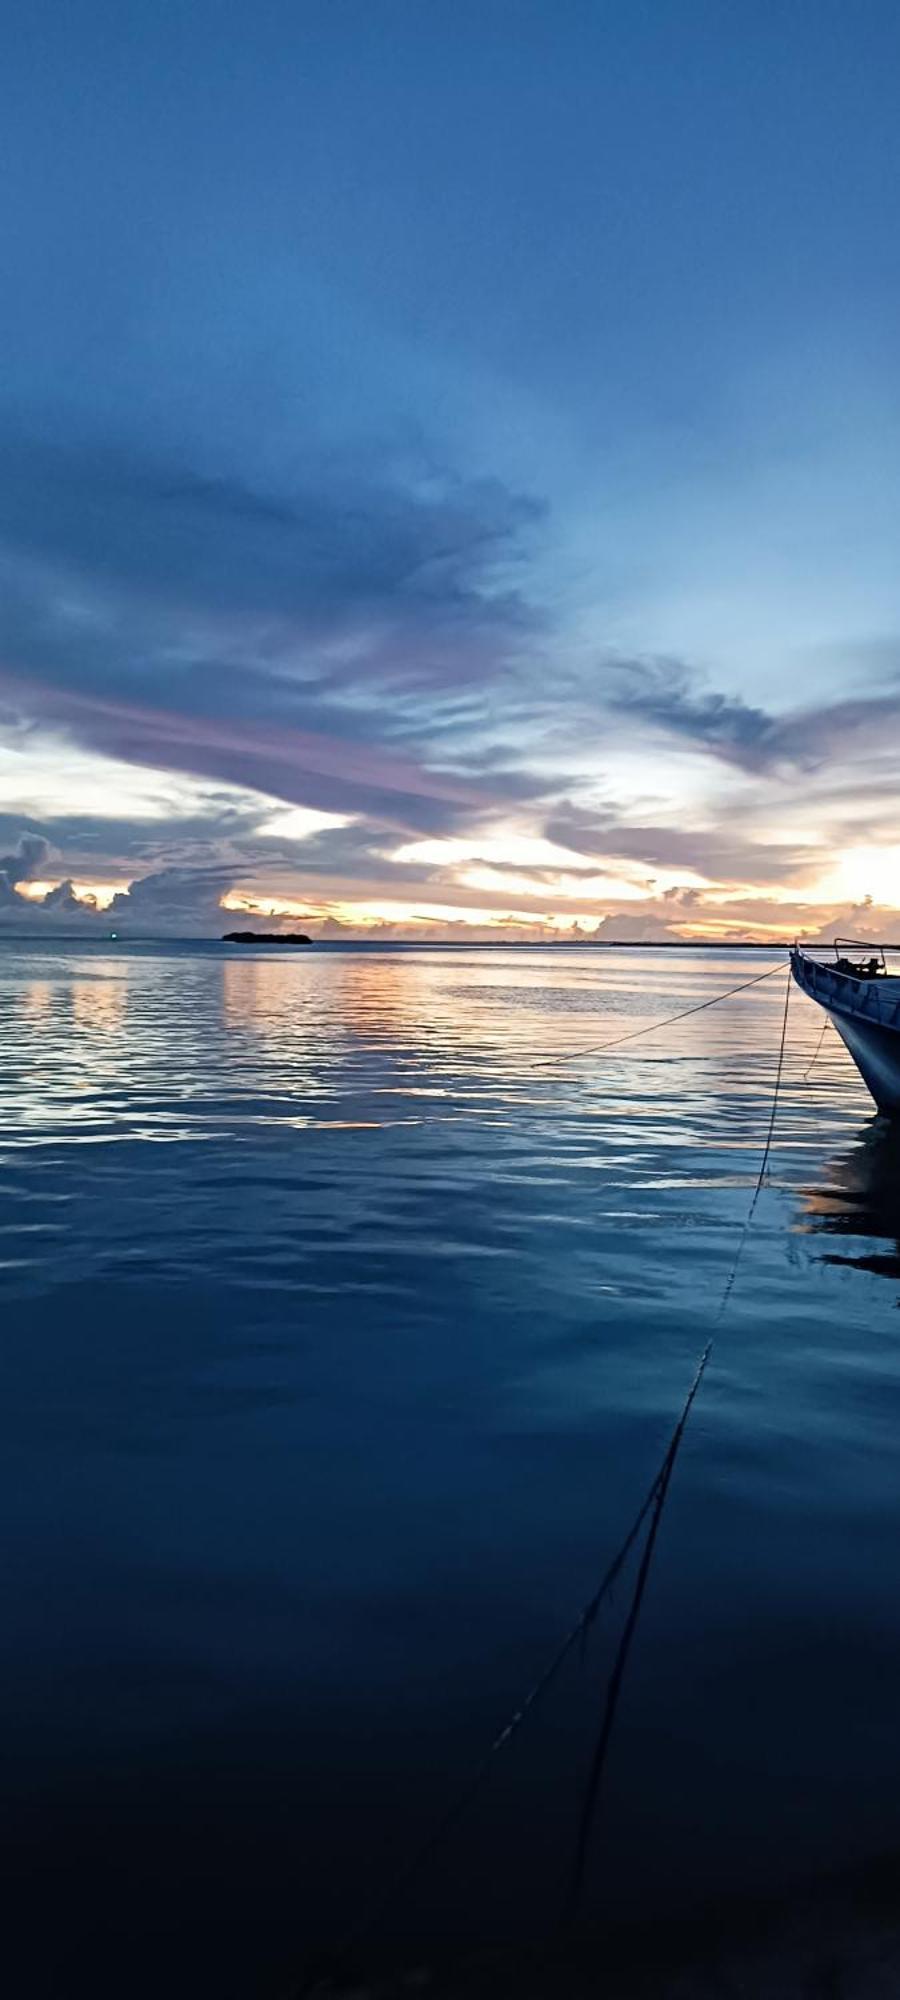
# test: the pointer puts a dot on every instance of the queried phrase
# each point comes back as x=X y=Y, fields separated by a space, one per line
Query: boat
x=863 y=1001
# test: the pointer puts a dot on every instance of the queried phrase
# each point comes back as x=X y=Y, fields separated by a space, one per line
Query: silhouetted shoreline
x=43 y=940
x=265 y=937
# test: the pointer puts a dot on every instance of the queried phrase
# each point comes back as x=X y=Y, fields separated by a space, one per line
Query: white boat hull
x=876 y=1053
x=866 y=1014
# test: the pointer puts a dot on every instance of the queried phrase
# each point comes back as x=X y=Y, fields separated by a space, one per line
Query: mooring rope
x=653 y=1504
x=614 y=1685
x=653 y=1027
x=617 y=1676
x=414 y=1863
x=826 y=1024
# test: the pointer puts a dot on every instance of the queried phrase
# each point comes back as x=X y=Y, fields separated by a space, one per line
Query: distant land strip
x=532 y=944
x=265 y=937
x=10 y=934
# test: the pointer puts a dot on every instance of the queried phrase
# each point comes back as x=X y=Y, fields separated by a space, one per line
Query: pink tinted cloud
x=303 y=767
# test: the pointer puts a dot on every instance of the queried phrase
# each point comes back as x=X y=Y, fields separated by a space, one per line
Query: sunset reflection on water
x=343 y=1324
x=858 y=1201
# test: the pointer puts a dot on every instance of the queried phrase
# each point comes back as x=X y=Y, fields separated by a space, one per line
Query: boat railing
x=874 y=964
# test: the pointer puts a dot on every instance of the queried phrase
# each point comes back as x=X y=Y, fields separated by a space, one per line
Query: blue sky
x=449 y=467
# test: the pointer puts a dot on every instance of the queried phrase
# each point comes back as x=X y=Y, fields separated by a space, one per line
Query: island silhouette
x=265 y=937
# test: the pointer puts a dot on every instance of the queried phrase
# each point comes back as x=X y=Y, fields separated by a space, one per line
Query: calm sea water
x=340 y=1341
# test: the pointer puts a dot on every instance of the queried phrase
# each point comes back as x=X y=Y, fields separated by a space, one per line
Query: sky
x=449 y=469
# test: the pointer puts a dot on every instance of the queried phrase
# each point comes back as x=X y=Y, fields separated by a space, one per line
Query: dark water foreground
x=836 y=1939
x=340 y=1341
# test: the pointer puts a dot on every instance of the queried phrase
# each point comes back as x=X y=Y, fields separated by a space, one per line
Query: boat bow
x=863 y=1001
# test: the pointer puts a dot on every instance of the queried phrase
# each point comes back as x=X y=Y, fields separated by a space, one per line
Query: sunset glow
x=433 y=569
x=95 y=895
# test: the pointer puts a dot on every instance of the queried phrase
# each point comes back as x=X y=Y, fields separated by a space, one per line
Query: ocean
x=344 y=1327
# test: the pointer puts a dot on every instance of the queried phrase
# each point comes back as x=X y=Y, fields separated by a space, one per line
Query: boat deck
x=876 y=1000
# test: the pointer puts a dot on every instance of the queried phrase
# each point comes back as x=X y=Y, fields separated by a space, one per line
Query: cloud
x=63 y=900
x=268 y=753
x=312 y=640
x=282 y=413
x=662 y=693
x=732 y=851
x=342 y=546
x=867 y=921
x=356 y=638
x=626 y=928
x=21 y=866
x=29 y=856
x=173 y=899
x=665 y=695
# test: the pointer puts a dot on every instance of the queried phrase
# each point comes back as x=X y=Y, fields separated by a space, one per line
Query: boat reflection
x=861 y=1201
